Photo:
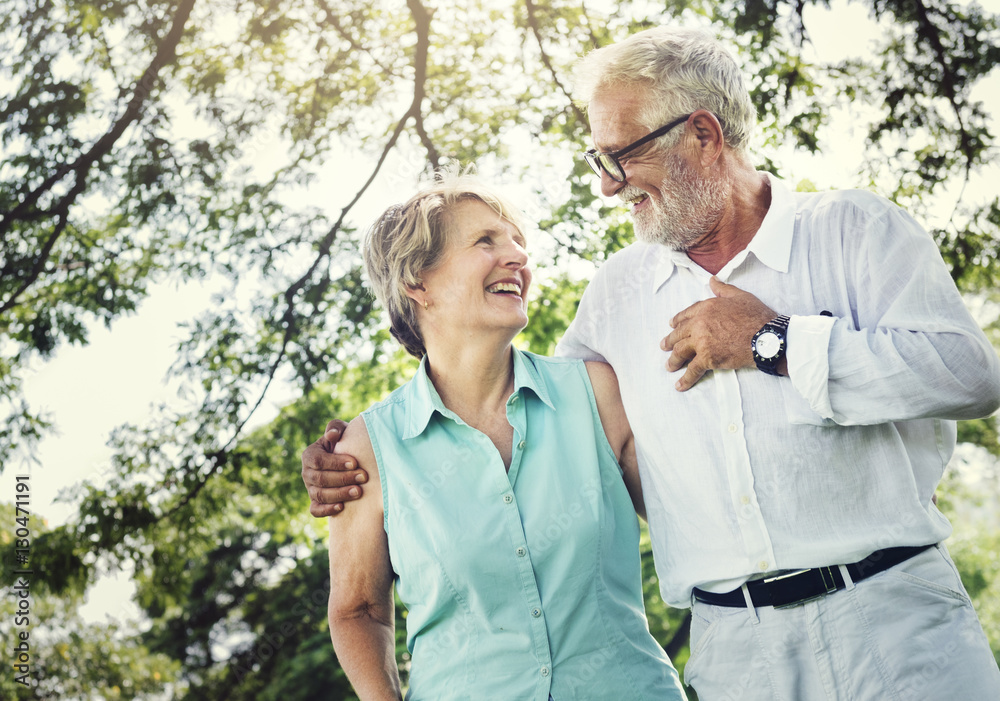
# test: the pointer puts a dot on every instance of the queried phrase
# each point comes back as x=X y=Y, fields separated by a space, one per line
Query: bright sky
x=117 y=377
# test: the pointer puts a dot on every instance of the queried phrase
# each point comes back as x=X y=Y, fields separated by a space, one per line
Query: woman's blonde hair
x=410 y=239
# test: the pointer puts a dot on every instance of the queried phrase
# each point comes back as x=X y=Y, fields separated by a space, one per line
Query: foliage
x=176 y=139
x=68 y=656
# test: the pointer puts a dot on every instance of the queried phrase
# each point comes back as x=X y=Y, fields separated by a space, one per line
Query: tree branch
x=533 y=23
x=43 y=256
x=289 y=319
x=594 y=41
x=339 y=28
x=422 y=19
x=165 y=53
x=929 y=31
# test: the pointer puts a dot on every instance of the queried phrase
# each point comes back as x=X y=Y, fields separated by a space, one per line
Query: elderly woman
x=504 y=486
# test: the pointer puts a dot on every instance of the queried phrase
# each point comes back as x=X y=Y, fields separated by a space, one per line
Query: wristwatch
x=768 y=345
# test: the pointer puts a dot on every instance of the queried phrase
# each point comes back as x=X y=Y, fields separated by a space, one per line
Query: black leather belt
x=795 y=588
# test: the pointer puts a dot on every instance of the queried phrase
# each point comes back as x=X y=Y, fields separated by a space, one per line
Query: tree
x=50 y=652
x=179 y=139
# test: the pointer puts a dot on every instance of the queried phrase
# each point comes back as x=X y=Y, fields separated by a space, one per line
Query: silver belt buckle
x=829 y=583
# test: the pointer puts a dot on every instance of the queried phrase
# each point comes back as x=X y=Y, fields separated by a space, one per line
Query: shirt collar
x=423 y=400
x=771 y=245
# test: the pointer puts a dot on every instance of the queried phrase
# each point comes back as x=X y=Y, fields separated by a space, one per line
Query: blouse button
x=535 y=613
x=508 y=498
x=521 y=552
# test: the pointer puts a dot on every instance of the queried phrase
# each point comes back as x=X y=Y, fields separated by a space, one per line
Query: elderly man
x=792 y=366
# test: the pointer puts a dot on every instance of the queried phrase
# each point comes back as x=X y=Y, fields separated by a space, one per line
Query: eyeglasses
x=608 y=162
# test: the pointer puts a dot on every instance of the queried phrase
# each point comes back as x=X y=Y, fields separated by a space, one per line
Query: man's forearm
x=891 y=375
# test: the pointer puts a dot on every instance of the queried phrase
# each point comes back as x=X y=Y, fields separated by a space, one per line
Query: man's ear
x=708 y=132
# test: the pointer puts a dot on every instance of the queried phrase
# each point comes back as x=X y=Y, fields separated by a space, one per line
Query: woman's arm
x=617 y=428
x=361 y=610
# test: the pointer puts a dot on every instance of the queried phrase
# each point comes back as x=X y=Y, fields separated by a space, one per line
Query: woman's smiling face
x=483 y=279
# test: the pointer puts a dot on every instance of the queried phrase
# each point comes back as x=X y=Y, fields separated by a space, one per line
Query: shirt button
x=762 y=565
x=744 y=499
x=535 y=613
x=732 y=428
x=513 y=400
x=545 y=671
x=520 y=446
x=521 y=552
x=508 y=498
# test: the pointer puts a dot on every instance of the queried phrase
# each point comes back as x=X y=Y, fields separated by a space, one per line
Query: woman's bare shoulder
x=605 y=383
x=356 y=442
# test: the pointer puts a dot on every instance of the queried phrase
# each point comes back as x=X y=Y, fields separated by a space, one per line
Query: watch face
x=768 y=344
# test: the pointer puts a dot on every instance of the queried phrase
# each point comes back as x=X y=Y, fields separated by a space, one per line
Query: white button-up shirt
x=747 y=473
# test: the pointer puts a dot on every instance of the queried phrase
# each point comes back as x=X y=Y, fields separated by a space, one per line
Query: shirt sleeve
x=582 y=339
x=906 y=348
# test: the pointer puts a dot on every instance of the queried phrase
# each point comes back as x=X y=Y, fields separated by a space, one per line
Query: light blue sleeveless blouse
x=519 y=584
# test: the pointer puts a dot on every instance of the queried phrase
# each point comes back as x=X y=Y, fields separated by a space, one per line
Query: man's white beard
x=679 y=220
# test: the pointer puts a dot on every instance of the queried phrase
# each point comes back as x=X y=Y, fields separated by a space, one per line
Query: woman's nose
x=515 y=255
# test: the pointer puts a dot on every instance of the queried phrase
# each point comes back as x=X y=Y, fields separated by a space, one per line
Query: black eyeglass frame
x=599 y=161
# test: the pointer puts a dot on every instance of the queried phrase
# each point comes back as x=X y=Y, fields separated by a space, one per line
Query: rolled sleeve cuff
x=808 y=360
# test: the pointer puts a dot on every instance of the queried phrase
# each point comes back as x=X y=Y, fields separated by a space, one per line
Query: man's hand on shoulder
x=715 y=334
x=330 y=478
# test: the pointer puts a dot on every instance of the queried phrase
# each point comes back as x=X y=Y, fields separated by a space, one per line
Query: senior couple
x=770 y=378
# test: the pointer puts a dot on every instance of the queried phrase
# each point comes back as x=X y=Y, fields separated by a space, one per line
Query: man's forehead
x=614 y=121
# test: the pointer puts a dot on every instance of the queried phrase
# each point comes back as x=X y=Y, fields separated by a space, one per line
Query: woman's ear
x=416 y=292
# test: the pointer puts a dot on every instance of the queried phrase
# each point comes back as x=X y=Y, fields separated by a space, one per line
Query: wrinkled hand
x=715 y=334
x=330 y=479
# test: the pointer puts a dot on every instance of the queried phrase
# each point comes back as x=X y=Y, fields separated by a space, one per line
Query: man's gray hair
x=683 y=70
x=410 y=239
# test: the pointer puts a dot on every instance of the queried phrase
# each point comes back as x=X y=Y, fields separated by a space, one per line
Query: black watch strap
x=778 y=327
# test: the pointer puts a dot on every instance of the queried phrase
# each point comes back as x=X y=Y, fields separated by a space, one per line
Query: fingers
x=720 y=288
x=328 y=441
x=336 y=425
x=684 y=350
x=725 y=290
x=670 y=340
x=683 y=315
x=685 y=353
x=680 y=355
x=334 y=478
x=695 y=371
x=325 y=510
x=330 y=478
x=319 y=456
x=331 y=496
x=329 y=501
